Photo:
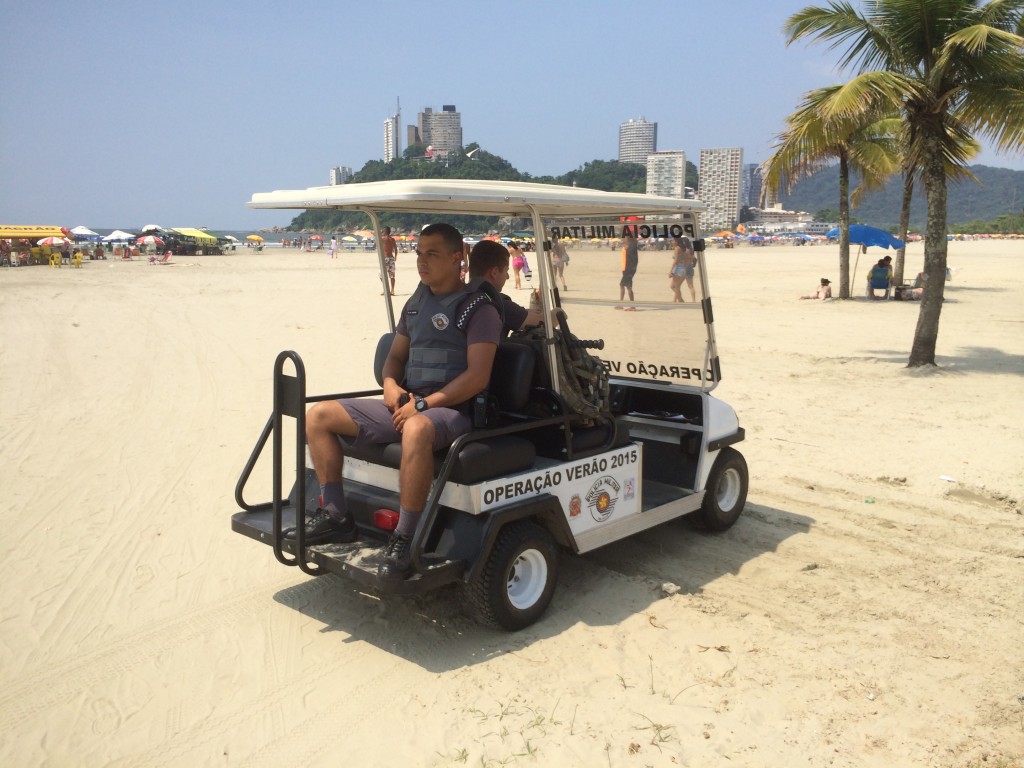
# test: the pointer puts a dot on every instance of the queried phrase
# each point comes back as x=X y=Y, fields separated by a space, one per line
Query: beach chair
x=55 y=260
x=165 y=259
x=77 y=260
x=879 y=279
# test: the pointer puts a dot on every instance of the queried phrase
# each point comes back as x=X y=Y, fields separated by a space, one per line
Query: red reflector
x=385 y=519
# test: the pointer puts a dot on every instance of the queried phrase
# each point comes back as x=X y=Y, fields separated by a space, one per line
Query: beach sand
x=864 y=611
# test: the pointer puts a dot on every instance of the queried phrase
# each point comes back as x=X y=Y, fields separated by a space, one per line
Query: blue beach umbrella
x=869 y=236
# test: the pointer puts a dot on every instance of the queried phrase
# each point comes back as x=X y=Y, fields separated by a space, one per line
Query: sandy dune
x=863 y=612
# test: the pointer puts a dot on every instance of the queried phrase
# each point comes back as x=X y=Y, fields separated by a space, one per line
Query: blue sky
x=120 y=114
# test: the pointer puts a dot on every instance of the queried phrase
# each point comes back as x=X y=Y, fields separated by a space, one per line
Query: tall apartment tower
x=666 y=173
x=721 y=180
x=440 y=130
x=750 y=195
x=340 y=174
x=637 y=139
x=392 y=137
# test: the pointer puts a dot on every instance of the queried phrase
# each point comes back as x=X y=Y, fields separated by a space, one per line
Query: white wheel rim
x=728 y=492
x=526 y=579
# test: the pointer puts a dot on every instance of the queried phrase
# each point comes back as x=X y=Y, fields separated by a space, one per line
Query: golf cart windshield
x=621 y=249
x=639 y=284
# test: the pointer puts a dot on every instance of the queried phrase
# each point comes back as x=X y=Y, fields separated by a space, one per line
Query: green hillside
x=998 y=192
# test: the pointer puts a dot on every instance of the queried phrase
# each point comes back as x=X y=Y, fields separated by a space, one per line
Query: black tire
x=518 y=580
x=725 y=492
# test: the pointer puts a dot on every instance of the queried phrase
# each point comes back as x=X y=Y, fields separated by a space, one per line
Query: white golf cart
x=535 y=478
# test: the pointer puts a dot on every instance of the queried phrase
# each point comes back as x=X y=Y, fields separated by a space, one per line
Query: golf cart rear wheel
x=726 y=491
x=518 y=579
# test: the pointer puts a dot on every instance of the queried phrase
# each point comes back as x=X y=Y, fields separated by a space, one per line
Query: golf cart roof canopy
x=494 y=198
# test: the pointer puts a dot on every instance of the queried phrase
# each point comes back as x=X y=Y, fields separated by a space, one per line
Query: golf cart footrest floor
x=358 y=560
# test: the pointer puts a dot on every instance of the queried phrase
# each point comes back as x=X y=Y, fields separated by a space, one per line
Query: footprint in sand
x=105 y=717
x=142 y=576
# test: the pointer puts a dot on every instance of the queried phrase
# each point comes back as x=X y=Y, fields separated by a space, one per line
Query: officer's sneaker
x=397 y=565
x=321 y=528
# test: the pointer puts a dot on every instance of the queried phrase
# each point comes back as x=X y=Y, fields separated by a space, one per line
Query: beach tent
x=84 y=232
x=197 y=236
x=29 y=232
x=117 y=236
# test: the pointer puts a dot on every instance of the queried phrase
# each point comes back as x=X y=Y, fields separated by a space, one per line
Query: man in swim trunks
x=390 y=250
x=630 y=260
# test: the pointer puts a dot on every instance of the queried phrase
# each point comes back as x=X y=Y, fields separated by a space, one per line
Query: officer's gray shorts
x=375 y=426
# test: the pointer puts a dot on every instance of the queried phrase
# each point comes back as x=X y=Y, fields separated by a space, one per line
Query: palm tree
x=954 y=68
x=818 y=135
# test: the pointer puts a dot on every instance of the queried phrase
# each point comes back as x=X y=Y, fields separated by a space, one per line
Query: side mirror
x=698 y=245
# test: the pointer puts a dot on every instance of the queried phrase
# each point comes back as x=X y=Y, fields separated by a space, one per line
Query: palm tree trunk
x=844 y=227
x=908 y=193
x=926 y=334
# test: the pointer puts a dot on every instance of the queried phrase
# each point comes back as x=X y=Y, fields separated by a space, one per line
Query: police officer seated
x=443 y=350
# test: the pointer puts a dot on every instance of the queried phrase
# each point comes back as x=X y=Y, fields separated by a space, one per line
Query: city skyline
x=188 y=138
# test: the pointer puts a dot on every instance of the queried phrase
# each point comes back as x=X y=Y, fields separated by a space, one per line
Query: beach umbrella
x=84 y=232
x=232 y=238
x=54 y=241
x=118 y=235
x=150 y=240
x=869 y=236
x=316 y=237
x=152 y=228
x=254 y=238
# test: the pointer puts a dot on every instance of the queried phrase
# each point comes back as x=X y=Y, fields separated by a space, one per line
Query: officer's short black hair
x=486 y=255
x=451 y=236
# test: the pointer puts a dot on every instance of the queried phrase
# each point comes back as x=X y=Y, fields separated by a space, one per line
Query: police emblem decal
x=601 y=498
x=575 y=505
x=440 y=321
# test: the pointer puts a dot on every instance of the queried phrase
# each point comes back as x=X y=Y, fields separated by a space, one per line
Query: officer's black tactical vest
x=437 y=334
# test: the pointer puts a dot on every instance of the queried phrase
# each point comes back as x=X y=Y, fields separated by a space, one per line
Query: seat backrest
x=383 y=347
x=511 y=374
x=879 y=277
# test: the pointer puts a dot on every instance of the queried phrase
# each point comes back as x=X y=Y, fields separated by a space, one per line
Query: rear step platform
x=357 y=560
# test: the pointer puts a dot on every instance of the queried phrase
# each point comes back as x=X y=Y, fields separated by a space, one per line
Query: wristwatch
x=421 y=403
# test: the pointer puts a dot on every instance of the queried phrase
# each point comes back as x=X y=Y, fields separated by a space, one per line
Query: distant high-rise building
x=392 y=137
x=721 y=179
x=750 y=195
x=666 y=173
x=440 y=130
x=637 y=139
x=340 y=174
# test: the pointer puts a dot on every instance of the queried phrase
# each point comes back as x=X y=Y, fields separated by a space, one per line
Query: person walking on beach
x=559 y=260
x=390 y=250
x=518 y=261
x=333 y=247
x=683 y=262
x=440 y=359
x=630 y=261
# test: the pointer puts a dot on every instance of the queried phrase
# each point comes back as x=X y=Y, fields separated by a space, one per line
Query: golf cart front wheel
x=725 y=492
x=518 y=579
